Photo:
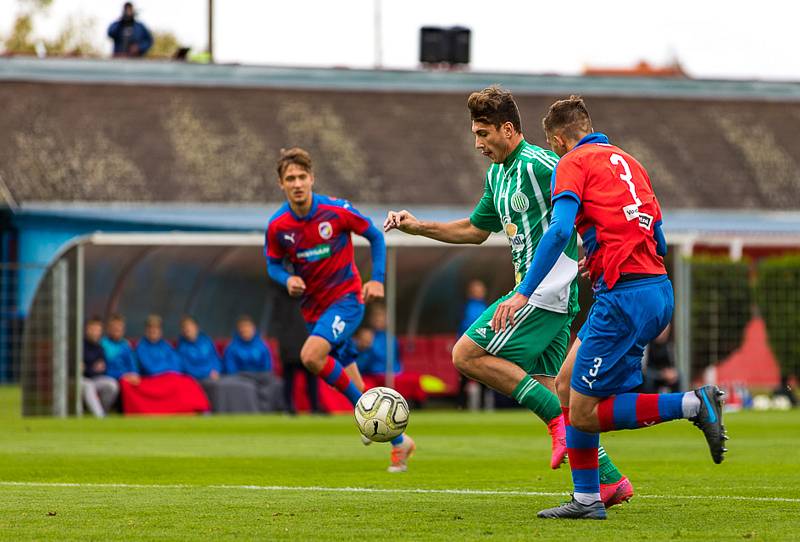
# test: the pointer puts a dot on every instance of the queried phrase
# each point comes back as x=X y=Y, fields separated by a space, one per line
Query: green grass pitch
x=278 y=478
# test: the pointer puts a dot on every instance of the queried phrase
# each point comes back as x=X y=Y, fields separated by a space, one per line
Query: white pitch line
x=321 y=489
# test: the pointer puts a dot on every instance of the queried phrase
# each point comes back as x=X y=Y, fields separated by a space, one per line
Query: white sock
x=690 y=405
x=586 y=498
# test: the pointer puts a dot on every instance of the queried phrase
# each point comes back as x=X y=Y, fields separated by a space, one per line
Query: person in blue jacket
x=200 y=360
x=248 y=357
x=120 y=359
x=155 y=355
x=131 y=38
x=377 y=321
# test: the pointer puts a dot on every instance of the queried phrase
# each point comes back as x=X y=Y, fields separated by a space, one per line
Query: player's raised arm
x=457 y=232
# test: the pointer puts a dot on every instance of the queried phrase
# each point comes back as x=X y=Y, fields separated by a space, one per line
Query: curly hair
x=495 y=106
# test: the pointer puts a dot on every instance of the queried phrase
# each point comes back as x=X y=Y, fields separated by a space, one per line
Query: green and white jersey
x=516 y=200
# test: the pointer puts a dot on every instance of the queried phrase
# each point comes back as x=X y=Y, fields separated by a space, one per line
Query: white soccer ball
x=381 y=414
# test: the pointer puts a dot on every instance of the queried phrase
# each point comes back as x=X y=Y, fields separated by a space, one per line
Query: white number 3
x=616 y=159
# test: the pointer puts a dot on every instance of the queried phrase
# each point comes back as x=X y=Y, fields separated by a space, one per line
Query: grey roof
x=128 y=131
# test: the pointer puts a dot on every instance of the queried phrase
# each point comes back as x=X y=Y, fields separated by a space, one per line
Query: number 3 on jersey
x=631 y=211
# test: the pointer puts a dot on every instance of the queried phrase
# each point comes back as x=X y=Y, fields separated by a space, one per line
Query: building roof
x=132 y=131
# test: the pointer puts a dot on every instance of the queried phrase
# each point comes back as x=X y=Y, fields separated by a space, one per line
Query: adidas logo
x=481 y=331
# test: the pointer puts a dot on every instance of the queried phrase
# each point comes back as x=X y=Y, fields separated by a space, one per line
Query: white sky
x=711 y=38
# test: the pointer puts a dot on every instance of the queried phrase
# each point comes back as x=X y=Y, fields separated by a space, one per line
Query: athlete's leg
x=474 y=362
x=355 y=376
x=315 y=356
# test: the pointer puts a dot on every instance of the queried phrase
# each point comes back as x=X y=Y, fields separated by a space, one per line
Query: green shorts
x=537 y=341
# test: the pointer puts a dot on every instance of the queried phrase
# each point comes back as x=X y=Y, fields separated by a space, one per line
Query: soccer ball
x=381 y=414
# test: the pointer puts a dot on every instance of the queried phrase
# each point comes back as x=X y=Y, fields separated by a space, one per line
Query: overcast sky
x=711 y=38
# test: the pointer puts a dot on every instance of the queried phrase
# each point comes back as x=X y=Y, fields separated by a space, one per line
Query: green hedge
x=778 y=298
x=721 y=308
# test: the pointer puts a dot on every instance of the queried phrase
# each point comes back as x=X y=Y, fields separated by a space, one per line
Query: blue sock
x=634 y=410
x=583 y=462
x=398 y=440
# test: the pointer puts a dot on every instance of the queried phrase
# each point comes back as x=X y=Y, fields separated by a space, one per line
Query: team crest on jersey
x=325 y=230
x=520 y=202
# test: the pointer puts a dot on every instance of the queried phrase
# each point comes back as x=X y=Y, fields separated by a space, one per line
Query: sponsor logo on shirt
x=519 y=202
x=289 y=237
x=631 y=212
x=645 y=221
x=319 y=252
x=325 y=230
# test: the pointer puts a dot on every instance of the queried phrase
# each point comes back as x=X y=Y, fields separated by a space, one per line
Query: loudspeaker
x=450 y=45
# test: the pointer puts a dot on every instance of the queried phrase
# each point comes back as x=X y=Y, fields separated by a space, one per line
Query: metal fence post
x=683 y=318
x=59 y=345
x=391 y=312
x=79 y=315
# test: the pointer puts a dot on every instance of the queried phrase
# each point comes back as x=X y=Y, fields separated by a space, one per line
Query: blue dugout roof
x=250 y=218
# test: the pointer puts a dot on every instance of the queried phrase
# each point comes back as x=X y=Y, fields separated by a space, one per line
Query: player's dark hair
x=295 y=155
x=495 y=106
x=569 y=116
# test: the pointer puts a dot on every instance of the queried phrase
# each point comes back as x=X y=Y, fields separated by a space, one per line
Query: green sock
x=609 y=474
x=541 y=401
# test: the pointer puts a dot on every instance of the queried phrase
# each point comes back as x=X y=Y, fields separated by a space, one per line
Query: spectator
x=470 y=391
x=200 y=360
x=131 y=38
x=364 y=339
x=162 y=388
x=248 y=357
x=290 y=329
x=660 y=375
x=100 y=391
x=119 y=356
x=156 y=356
x=377 y=321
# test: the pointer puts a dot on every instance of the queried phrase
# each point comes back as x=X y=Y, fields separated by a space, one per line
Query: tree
x=165 y=44
x=778 y=295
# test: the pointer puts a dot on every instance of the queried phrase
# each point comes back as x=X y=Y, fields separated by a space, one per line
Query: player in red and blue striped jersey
x=606 y=193
x=311 y=232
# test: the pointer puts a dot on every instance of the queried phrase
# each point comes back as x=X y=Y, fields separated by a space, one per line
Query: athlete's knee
x=562 y=388
x=463 y=358
x=311 y=358
x=581 y=419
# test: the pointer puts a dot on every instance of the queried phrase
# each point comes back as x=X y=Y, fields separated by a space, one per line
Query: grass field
x=475 y=476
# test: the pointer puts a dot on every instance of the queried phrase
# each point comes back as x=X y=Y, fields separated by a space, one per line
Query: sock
x=537 y=398
x=397 y=441
x=690 y=404
x=583 y=462
x=334 y=374
x=609 y=474
x=635 y=410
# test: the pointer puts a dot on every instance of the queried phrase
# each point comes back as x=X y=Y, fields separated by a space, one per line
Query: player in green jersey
x=523 y=359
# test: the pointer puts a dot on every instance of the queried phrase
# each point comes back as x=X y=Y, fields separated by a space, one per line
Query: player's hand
x=295 y=286
x=582 y=268
x=401 y=220
x=504 y=314
x=373 y=290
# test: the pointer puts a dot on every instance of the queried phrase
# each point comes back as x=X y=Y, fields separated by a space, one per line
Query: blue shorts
x=337 y=324
x=621 y=323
